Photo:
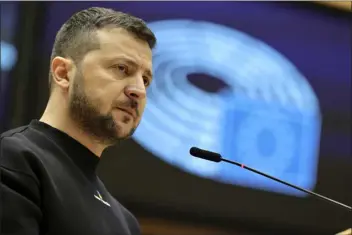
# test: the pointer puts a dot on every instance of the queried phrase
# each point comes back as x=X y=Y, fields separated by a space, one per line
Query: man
x=101 y=65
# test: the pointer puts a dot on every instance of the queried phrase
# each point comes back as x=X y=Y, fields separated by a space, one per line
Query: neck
x=59 y=119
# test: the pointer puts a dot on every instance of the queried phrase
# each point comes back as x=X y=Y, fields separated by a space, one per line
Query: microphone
x=216 y=157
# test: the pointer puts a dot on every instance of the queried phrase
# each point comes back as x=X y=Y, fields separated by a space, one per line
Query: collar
x=86 y=160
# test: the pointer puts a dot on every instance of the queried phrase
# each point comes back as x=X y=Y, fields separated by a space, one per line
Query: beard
x=86 y=115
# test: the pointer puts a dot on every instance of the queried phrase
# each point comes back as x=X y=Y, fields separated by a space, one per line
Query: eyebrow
x=133 y=63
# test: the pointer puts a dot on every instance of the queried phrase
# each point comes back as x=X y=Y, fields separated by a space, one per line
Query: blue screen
x=260 y=83
x=9 y=13
x=266 y=115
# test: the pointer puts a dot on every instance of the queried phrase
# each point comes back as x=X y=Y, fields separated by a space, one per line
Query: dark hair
x=77 y=36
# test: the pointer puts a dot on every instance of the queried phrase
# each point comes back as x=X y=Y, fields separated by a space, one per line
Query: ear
x=62 y=70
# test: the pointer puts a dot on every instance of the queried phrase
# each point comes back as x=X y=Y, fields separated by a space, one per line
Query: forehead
x=118 y=41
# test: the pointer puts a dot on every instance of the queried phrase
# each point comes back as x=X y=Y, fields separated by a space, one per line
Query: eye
x=146 y=81
x=122 y=68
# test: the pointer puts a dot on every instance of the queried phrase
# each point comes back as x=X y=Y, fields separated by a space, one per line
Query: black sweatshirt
x=49 y=186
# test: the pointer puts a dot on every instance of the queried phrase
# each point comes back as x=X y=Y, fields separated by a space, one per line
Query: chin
x=124 y=131
x=122 y=136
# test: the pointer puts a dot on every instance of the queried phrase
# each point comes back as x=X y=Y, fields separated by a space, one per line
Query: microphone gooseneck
x=216 y=157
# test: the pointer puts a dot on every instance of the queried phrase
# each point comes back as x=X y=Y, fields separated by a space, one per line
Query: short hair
x=77 y=36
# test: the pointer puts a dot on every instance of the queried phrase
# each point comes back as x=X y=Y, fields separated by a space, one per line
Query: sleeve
x=20 y=211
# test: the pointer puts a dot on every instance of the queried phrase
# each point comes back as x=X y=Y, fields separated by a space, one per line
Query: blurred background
x=267 y=84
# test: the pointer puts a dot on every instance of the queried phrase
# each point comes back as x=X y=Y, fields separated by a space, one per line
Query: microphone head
x=204 y=154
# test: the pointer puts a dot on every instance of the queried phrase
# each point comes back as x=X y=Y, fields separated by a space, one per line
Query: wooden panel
x=151 y=226
x=342 y=5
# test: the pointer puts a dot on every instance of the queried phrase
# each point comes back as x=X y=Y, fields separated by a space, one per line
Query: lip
x=128 y=111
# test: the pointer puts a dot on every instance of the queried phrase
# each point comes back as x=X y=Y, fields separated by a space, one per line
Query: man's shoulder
x=16 y=153
x=15 y=140
x=12 y=140
x=10 y=133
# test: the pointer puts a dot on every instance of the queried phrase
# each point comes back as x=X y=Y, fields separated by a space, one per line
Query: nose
x=135 y=93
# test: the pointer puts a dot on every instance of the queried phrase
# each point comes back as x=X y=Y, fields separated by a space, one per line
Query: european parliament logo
x=268 y=118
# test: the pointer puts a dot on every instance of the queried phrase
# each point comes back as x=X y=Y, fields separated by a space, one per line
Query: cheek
x=103 y=93
x=99 y=98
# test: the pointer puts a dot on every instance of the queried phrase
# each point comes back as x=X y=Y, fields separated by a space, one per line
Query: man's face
x=108 y=91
